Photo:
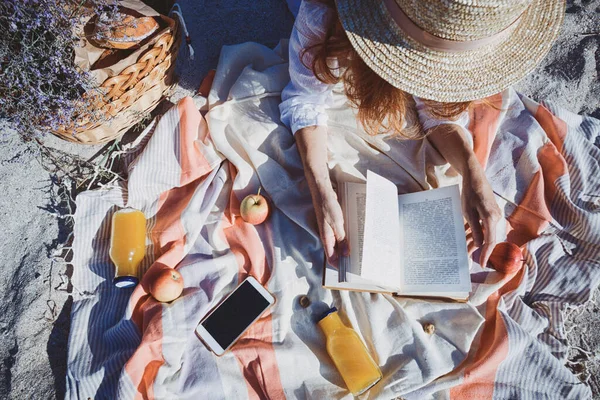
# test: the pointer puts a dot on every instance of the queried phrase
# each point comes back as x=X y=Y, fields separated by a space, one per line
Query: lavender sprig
x=41 y=88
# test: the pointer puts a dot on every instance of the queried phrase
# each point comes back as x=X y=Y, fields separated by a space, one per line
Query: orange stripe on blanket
x=532 y=215
x=555 y=128
x=254 y=351
x=149 y=351
x=206 y=84
x=143 y=365
x=192 y=128
x=168 y=237
x=485 y=117
x=168 y=234
x=480 y=375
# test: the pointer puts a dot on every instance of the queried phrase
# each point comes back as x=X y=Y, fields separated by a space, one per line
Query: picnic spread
x=189 y=173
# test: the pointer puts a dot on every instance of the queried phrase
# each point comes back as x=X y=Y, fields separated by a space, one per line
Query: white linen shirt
x=305 y=99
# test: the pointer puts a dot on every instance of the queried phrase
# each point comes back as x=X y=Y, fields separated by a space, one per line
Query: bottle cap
x=326 y=313
x=125 y=281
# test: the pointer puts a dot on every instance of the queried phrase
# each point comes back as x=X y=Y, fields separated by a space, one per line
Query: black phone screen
x=235 y=314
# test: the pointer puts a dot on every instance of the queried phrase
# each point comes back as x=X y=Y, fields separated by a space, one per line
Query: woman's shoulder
x=314 y=15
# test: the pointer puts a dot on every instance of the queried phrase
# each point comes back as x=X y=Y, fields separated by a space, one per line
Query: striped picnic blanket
x=188 y=178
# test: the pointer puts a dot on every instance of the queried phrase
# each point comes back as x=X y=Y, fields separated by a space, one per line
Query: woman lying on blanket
x=386 y=53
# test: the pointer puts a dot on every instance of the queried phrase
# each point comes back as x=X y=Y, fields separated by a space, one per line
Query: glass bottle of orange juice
x=127 y=245
x=349 y=354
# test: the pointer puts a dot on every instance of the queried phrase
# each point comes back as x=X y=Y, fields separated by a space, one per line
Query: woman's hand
x=478 y=202
x=481 y=212
x=312 y=146
x=331 y=222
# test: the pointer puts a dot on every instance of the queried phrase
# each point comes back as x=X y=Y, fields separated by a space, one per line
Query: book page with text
x=434 y=249
x=381 y=252
x=353 y=197
x=355 y=200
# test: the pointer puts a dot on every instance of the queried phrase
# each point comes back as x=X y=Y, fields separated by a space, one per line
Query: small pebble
x=304 y=301
x=429 y=328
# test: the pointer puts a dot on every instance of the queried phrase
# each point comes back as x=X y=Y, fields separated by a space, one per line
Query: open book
x=409 y=245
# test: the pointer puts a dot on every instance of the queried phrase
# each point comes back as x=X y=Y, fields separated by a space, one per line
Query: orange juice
x=127 y=245
x=349 y=354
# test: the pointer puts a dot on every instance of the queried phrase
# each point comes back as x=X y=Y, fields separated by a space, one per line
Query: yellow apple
x=254 y=209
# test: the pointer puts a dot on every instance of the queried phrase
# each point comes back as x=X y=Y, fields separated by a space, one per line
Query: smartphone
x=224 y=325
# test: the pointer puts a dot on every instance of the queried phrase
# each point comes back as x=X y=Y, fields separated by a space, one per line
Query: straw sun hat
x=451 y=50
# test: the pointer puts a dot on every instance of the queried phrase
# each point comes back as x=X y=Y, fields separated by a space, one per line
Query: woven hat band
x=440 y=44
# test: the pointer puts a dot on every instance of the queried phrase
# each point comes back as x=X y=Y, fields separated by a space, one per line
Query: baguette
x=123 y=31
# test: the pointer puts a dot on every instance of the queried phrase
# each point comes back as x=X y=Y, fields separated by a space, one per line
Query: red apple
x=167 y=285
x=506 y=258
x=254 y=209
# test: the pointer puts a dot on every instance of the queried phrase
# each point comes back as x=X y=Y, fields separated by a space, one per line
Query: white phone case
x=205 y=335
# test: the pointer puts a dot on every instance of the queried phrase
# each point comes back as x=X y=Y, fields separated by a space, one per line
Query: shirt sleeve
x=428 y=121
x=305 y=98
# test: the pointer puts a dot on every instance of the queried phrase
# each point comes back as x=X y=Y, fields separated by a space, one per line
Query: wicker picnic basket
x=128 y=96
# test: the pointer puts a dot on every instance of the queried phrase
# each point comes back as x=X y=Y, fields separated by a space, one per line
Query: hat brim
x=449 y=76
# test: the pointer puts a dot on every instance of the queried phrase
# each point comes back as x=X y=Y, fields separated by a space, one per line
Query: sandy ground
x=35 y=300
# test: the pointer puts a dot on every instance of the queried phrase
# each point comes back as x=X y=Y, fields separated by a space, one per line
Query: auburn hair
x=380 y=105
